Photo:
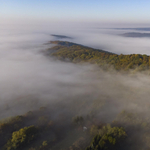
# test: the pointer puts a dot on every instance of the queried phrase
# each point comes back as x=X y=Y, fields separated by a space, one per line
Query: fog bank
x=109 y=39
x=28 y=75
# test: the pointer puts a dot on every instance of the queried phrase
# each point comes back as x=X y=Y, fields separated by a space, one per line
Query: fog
x=26 y=73
x=29 y=79
x=91 y=35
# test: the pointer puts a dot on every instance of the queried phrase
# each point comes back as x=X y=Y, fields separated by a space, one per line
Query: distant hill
x=136 y=34
x=78 y=53
x=61 y=36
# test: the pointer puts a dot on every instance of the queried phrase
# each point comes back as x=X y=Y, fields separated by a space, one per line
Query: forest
x=77 y=53
x=64 y=126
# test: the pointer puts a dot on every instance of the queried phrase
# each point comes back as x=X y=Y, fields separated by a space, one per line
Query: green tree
x=107 y=138
x=21 y=138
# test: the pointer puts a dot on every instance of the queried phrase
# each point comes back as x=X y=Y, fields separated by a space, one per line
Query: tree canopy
x=79 y=53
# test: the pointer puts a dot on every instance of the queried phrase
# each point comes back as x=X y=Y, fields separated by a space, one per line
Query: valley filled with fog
x=26 y=71
x=29 y=79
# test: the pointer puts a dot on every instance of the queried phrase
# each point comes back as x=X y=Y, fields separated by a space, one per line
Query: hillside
x=79 y=53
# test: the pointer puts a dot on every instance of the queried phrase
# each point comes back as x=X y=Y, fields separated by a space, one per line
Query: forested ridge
x=79 y=53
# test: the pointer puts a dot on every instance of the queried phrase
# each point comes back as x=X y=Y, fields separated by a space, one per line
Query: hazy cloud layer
x=27 y=74
x=110 y=40
x=107 y=39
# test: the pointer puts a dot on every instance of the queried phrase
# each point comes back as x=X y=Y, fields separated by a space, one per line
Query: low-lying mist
x=26 y=73
x=29 y=79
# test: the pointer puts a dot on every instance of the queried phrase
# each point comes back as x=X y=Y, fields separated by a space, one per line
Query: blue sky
x=78 y=10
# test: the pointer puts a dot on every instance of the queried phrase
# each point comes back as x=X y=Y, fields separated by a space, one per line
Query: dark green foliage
x=21 y=138
x=79 y=53
x=138 y=127
x=108 y=138
x=8 y=126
